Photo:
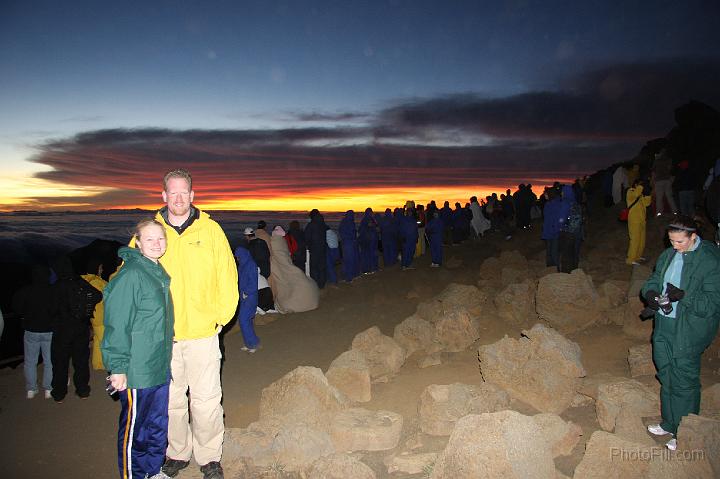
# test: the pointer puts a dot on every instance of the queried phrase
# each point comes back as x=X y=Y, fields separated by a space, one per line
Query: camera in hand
x=665 y=304
x=109 y=387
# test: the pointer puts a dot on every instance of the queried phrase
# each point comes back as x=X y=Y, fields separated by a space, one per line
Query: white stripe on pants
x=195 y=365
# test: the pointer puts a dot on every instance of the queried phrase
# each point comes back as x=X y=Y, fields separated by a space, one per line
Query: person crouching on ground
x=687 y=280
x=136 y=349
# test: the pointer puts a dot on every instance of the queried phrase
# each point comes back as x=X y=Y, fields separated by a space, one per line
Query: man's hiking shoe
x=212 y=470
x=173 y=466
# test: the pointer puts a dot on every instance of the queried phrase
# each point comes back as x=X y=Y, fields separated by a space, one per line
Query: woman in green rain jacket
x=687 y=275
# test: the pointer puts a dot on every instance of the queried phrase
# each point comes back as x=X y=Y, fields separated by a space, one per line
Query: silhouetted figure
x=73 y=302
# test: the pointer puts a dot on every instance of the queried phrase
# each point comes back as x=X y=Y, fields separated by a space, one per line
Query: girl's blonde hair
x=146 y=222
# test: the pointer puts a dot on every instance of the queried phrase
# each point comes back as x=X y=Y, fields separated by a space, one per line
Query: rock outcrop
x=567 y=302
x=542 y=368
x=350 y=374
x=383 y=355
x=441 y=406
x=487 y=446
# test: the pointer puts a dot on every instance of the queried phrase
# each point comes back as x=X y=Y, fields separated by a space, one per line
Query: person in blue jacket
x=389 y=238
x=248 y=286
x=552 y=216
x=434 y=232
x=408 y=237
x=349 y=246
x=368 y=242
x=316 y=241
x=333 y=254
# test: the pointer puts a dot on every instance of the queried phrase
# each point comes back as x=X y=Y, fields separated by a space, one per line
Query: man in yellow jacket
x=204 y=289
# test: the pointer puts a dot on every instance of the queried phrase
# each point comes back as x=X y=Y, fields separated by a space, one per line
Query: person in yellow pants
x=98 y=328
x=638 y=198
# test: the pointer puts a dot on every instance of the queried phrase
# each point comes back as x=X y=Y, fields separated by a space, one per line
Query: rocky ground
x=492 y=366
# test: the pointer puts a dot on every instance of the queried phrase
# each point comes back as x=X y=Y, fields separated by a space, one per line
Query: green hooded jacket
x=138 y=321
x=698 y=313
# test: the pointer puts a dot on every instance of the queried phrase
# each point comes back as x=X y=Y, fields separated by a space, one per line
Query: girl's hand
x=119 y=381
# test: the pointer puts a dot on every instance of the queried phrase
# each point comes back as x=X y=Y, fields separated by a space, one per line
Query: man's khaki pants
x=195 y=365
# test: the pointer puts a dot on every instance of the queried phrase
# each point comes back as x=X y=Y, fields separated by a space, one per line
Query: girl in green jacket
x=684 y=290
x=136 y=349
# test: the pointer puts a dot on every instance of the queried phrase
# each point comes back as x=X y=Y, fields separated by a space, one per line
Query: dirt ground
x=77 y=439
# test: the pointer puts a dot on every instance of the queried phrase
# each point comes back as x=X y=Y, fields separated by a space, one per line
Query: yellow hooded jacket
x=204 y=280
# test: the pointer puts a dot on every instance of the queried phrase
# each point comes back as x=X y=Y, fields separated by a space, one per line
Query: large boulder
x=252 y=442
x=562 y=436
x=640 y=360
x=621 y=405
x=456 y=331
x=358 y=429
x=612 y=293
x=384 y=356
x=454 y=296
x=542 y=368
x=350 y=374
x=441 y=406
x=516 y=303
x=568 y=302
x=503 y=444
x=710 y=401
x=302 y=396
x=339 y=466
x=510 y=275
x=414 y=334
x=697 y=433
x=490 y=269
x=611 y=456
x=297 y=447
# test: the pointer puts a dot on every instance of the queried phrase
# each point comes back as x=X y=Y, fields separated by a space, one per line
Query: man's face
x=178 y=196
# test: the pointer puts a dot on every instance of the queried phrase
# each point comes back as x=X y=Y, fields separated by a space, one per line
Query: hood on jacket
x=63 y=267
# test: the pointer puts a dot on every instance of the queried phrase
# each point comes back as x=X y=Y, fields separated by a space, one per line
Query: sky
x=291 y=105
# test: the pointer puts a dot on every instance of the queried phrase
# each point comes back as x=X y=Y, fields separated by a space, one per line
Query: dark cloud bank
x=593 y=120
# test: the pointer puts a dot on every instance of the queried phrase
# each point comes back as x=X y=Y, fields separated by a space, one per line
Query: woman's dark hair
x=683 y=223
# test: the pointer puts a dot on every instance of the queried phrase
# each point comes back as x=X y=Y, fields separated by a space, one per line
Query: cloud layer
x=593 y=120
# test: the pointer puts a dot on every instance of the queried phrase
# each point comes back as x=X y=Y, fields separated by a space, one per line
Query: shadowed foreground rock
x=504 y=444
x=610 y=456
x=339 y=466
x=542 y=368
x=701 y=433
x=621 y=405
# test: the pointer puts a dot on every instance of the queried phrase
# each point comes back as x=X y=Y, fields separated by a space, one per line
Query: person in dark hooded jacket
x=571 y=231
x=389 y=238
x=349 y=246
x=316 y=240
x=73 y=303
x=552 y=216
x=368 y=242
x=300 y=254
x=32 y=303
x=408 y=237
x=434 y=232
x=248 y=286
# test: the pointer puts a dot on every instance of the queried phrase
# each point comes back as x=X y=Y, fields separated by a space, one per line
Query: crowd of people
x=163 y=355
